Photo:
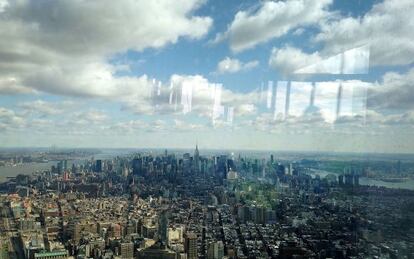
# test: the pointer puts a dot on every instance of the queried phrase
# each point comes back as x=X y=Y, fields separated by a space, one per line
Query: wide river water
x=30 y=168
x=27 y=168
x=408 y=184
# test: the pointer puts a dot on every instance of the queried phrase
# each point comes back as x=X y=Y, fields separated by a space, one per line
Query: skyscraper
x=196 y=160
x=98 y=166
x=127 y=250
x=137 y=166
x=215 y=250
x=341 y=179
x=222 y=166
x=356 y=179
x=191 y=245
x=163 y=227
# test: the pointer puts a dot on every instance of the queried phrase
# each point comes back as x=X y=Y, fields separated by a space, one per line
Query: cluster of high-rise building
x=193 y=206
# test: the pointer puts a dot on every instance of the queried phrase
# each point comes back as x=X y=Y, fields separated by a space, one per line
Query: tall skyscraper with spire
x=196 y=160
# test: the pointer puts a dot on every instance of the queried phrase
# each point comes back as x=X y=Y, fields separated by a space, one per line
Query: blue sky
x=201 y=57
x=145 y=74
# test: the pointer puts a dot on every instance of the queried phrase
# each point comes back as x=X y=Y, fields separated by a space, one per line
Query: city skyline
x=193 y=204
x=296 y=75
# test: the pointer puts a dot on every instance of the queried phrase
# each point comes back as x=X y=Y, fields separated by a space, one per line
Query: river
x=27 y=168
x=409 y=184
x=30 y=168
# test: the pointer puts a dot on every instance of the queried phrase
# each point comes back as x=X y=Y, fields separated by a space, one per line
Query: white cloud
x=44 y=108
x=298 y=31
x=65 y=50
x=187 y=126
x=272 y=19
x=157 y=125
x=395 y=92
x=91 y=116
x=381 y=37
x=6 y=113
x=288 y=59
x=9 y=120
x=232 y=65
x=128 y=127
x=70 y=28
x=353 y=61
x=3 y=5
x=202 y=98
x=352 y=125
x=387 y=28
x=10 y=85
x=94 y=79
x=245 y=109
x=203 y=95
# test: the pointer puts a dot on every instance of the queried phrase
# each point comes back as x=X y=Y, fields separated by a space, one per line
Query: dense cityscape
x=208 y=129
x=189 y=205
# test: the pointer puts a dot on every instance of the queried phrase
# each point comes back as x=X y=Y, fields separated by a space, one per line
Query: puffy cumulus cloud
x=406 y=118
x=101 y=28
x=94 y=79
x=130 y=126
x=311 y=124
x=158 y=125
x=394 y=93
x=190 y=94
x=288 y=59
x=387 y=28
x=272 y=19
x=245 y=109
x=267 y=123
x=6 y=113
x=44 y=108
x=90 y=122
x=385 y=109
x=195 y=91
x=75 y=120
x=379 y=122
x=187 y=126
x=137 y=126
x=91 y=116
x=9 y=120
x=230 y=65
x=205 y=94
x=383 y=35
x=57 y=117
x=65 y=49
x=61 y=113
